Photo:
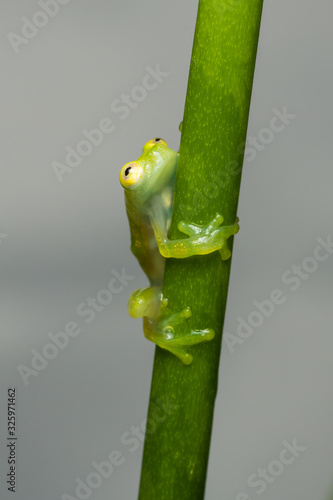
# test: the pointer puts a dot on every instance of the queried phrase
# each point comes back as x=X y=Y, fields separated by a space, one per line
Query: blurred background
x=81 y=367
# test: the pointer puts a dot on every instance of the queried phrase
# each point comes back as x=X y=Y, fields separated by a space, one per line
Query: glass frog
x=149 y=184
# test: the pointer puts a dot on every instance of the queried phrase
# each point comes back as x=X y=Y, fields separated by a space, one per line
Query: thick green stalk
x=208 y=181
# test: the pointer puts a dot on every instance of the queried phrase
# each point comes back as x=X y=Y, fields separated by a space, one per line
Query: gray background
x=64 y=239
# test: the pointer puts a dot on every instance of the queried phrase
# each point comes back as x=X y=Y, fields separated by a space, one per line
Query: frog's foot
x=212 y=236
x=163 y=334
x=195 y=229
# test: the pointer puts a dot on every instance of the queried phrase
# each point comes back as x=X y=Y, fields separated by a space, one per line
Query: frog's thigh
x=145 y=302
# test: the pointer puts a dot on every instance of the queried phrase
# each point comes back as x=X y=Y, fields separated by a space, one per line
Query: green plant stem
x=208 y=181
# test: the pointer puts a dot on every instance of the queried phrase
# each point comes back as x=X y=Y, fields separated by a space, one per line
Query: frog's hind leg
x=159 y=323
x=163 y=334
x=146 y=302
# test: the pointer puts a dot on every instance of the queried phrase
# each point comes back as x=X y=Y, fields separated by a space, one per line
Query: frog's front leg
x=202 y=239
x=217 y=235
x=159 y=324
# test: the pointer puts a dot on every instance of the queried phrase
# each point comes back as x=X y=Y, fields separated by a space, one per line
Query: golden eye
x=152 y=142
x=130 y=174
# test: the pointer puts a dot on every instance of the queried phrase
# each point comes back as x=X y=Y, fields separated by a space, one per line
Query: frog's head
x=151 y=172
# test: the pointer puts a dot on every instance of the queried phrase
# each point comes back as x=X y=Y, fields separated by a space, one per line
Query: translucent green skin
x=149 y=204
x=149 y=211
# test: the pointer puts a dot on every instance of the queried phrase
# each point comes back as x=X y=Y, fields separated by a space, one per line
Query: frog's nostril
x=127 y=171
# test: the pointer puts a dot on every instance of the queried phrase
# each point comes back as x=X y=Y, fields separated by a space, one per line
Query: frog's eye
x=130 y=174
x=152 y=142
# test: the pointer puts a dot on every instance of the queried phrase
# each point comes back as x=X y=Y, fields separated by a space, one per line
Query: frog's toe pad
x=210 y=334
x=202 y=335
x=187 y=312
x=186 y=358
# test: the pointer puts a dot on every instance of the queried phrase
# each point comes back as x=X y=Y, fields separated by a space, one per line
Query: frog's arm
x=202 y=239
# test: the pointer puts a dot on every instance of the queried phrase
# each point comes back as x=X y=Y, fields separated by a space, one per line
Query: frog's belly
x=146 y=251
